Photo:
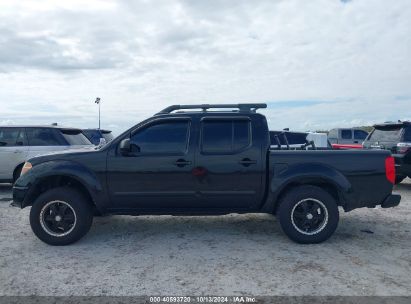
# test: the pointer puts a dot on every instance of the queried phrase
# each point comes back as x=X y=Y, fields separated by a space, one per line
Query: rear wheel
x=308 y=214
x=61 y=216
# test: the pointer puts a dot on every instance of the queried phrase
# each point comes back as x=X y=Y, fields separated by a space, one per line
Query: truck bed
x=355 y=172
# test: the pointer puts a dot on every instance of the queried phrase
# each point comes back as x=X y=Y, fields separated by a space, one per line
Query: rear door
x=229 y=168
x=13 y=150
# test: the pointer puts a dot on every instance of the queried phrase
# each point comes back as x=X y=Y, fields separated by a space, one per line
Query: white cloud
x=140 y=56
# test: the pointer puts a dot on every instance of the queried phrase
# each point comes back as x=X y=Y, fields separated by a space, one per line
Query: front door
x=159 y=175
x=229 y=165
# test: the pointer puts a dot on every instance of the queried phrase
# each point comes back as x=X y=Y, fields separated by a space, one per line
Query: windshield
x=386 y=134
x=75 y=137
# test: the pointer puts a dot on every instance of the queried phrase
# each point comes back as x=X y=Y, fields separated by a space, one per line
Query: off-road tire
x=291 y=214
x=73 y=201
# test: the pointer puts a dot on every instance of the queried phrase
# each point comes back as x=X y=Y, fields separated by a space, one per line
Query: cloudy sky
x=318 y=64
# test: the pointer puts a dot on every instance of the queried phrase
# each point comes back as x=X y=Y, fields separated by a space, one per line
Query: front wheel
x=61 y=216
x=308 y=214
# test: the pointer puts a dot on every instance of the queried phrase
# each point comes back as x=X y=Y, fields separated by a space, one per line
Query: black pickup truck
x=209 y=159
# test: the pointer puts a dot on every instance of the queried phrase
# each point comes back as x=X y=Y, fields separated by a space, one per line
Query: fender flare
x=64 y=168
x=284 y=175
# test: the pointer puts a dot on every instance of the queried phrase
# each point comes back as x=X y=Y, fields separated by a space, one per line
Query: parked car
x=299 y=140
x=347 y=136
x=396 y=138
x=199 y=163
x=94 y=135
x=18 y=143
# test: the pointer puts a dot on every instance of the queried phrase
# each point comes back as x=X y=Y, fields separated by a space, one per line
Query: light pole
x=98 y=102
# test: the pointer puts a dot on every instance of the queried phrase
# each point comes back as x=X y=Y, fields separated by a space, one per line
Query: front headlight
x=27 y=166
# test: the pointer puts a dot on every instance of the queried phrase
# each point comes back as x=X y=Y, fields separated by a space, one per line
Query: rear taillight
x=403 y=148
x=390 y=169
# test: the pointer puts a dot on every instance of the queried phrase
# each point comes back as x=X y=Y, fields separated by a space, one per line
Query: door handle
x=18 y=151
x=182 y=163
x=247 y=162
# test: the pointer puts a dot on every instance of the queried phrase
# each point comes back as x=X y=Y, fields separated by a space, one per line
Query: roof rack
x=247 y=107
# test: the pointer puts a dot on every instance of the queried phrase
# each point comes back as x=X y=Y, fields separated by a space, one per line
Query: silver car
x=19 y=143
x=347 y=136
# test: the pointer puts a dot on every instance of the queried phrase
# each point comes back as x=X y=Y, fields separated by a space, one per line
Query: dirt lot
x=370 y=254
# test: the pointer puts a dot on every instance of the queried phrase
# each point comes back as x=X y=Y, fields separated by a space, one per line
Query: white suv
x=19 y=143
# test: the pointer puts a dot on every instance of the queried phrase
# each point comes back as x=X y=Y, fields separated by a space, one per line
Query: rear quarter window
x=44 y=137
x=75 y=137
x=389 y=134
x=360 y=134
x=93 y=136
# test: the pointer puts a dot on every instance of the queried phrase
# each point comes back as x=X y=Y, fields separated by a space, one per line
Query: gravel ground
x=370 y=254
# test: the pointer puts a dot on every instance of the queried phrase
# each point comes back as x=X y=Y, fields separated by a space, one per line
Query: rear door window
x=45 y=137
x=346 y=134
x=10 y=137
x=225 y=136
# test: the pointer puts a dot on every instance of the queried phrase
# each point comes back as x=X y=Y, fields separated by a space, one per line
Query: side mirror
x=127 y=148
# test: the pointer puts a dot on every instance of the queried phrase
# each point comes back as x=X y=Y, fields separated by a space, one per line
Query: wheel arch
x=325 y=177
x=45 y=176
x=330 y=187
x=59 y=180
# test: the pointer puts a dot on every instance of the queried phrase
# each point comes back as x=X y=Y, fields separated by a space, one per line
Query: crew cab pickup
x=213 y=160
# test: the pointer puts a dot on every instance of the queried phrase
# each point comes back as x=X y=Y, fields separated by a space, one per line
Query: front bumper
x=391 y=201
x=19 y=193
